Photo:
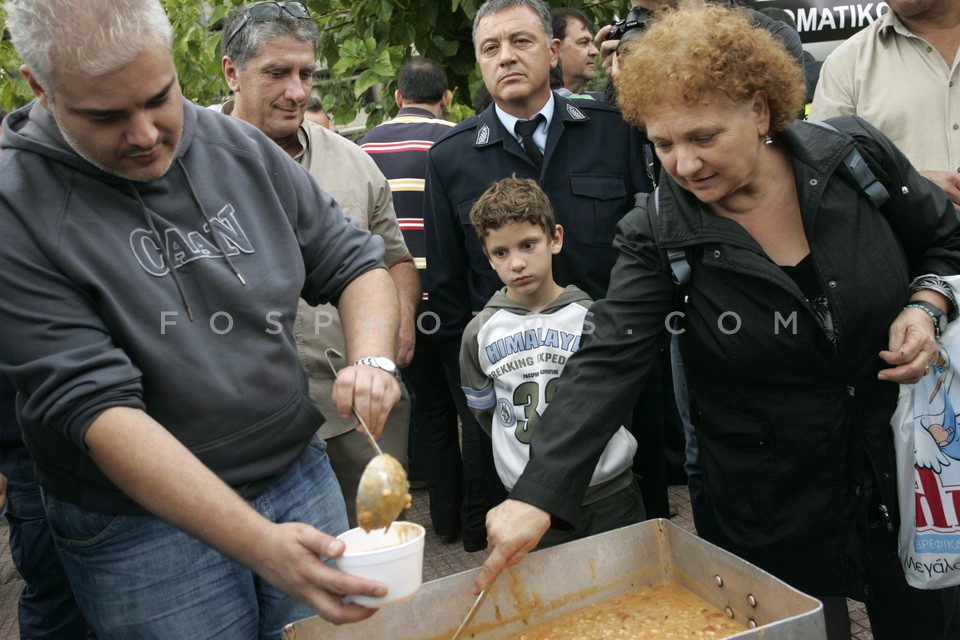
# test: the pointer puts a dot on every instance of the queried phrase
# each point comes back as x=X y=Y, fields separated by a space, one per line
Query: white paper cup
x=394 y=557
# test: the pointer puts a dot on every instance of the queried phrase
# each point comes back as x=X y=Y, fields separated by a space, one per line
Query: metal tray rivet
x=752 y=623
x=729 y=612
x=719 y=580
x=751 y=600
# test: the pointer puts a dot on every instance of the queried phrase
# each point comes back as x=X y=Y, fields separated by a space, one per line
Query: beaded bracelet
x=933 y=318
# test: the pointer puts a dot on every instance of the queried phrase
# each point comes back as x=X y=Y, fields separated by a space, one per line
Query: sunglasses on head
x=267 y=11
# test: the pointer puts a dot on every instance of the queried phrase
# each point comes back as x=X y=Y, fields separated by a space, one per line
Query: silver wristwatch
x=380 y=362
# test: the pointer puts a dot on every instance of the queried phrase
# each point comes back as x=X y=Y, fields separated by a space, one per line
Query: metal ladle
x=384 y=490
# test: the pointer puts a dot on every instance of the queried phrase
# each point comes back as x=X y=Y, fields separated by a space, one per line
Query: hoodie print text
x=186 y=246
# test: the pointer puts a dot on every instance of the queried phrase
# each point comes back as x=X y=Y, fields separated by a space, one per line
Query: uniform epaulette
x=464 y=125
x=594 y=105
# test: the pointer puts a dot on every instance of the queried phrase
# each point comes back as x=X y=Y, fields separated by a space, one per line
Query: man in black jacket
x=587 y=159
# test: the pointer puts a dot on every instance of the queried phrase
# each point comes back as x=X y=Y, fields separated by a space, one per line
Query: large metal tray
x=567 y=577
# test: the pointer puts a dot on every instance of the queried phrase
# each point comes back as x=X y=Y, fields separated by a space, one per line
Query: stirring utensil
x=384 y=490
x=471 y=614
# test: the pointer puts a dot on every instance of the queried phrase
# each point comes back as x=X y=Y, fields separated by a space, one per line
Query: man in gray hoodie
x=147 y=308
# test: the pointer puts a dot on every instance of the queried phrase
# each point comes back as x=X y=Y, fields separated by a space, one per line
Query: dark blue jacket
x=593 y=165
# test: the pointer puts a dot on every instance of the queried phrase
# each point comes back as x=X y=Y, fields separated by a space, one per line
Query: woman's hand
x=514 y=528
x=913 y=347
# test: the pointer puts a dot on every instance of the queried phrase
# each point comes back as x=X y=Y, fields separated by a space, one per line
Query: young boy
x=513 y=352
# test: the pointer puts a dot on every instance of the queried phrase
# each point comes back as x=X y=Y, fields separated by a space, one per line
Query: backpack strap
x=679 y=265
x=860 y=171
x=673 y=259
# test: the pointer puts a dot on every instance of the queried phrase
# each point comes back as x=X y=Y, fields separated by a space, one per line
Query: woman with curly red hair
x=807 y=302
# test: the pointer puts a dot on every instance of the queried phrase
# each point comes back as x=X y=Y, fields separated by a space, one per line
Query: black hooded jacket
x=794 y=433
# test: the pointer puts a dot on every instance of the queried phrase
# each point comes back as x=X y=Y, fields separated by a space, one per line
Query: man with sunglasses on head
x=154 y=254
x=269 y=56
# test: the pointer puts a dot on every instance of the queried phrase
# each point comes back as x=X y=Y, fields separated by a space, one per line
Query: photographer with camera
x=610 y=37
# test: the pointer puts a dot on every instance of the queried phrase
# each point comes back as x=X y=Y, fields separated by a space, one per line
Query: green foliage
x=362 y=44
x=14 y=91
x=368 y=40
x=196 y=47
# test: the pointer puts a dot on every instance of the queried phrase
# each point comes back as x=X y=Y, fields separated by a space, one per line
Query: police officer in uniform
x=588 y=160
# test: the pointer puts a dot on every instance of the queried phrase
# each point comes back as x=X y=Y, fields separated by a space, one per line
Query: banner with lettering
x=823 y=24
x=928 y=466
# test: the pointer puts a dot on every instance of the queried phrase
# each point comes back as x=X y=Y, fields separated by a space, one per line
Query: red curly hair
x=694 y=51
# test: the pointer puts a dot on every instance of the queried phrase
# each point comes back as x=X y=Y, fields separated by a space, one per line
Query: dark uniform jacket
x=593 y=165
x=794 y=434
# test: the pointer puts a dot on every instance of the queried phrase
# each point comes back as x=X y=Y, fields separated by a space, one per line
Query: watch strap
x=376 y=363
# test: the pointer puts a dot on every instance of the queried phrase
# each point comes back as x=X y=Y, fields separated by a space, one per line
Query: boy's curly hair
x=693 y=51
x=509 y=200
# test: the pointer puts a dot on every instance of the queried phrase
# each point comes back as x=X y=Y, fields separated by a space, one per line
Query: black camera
x=635 y=20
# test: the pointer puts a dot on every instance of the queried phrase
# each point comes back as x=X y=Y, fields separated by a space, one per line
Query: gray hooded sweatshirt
x=93 y=316
x=511 y=361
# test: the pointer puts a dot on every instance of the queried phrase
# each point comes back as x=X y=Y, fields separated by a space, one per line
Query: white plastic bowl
x=394 y=557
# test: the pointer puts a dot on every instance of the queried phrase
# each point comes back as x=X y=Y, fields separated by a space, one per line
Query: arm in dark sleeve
x=597 y=387
x=447 y=267
x=783 y=32
x=920 y=213
x=56 y=348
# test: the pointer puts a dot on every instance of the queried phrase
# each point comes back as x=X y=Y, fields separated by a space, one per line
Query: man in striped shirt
x=399 y=147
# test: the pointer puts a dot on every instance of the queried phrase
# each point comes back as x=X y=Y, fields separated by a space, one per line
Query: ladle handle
x=336 y=354
x=470 y=614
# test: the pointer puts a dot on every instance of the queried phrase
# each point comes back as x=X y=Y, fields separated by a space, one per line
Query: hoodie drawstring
x=163 y=246
x=163 y=250
x=203 y=211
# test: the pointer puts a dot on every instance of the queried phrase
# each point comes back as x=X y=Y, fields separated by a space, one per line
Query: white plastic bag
x=928 y=466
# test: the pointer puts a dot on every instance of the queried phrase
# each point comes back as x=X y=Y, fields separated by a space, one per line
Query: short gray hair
x=92 y=37
x=541 y=8
x=249 y=41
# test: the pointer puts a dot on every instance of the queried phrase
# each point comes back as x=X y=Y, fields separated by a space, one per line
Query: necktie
x=525 y=129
